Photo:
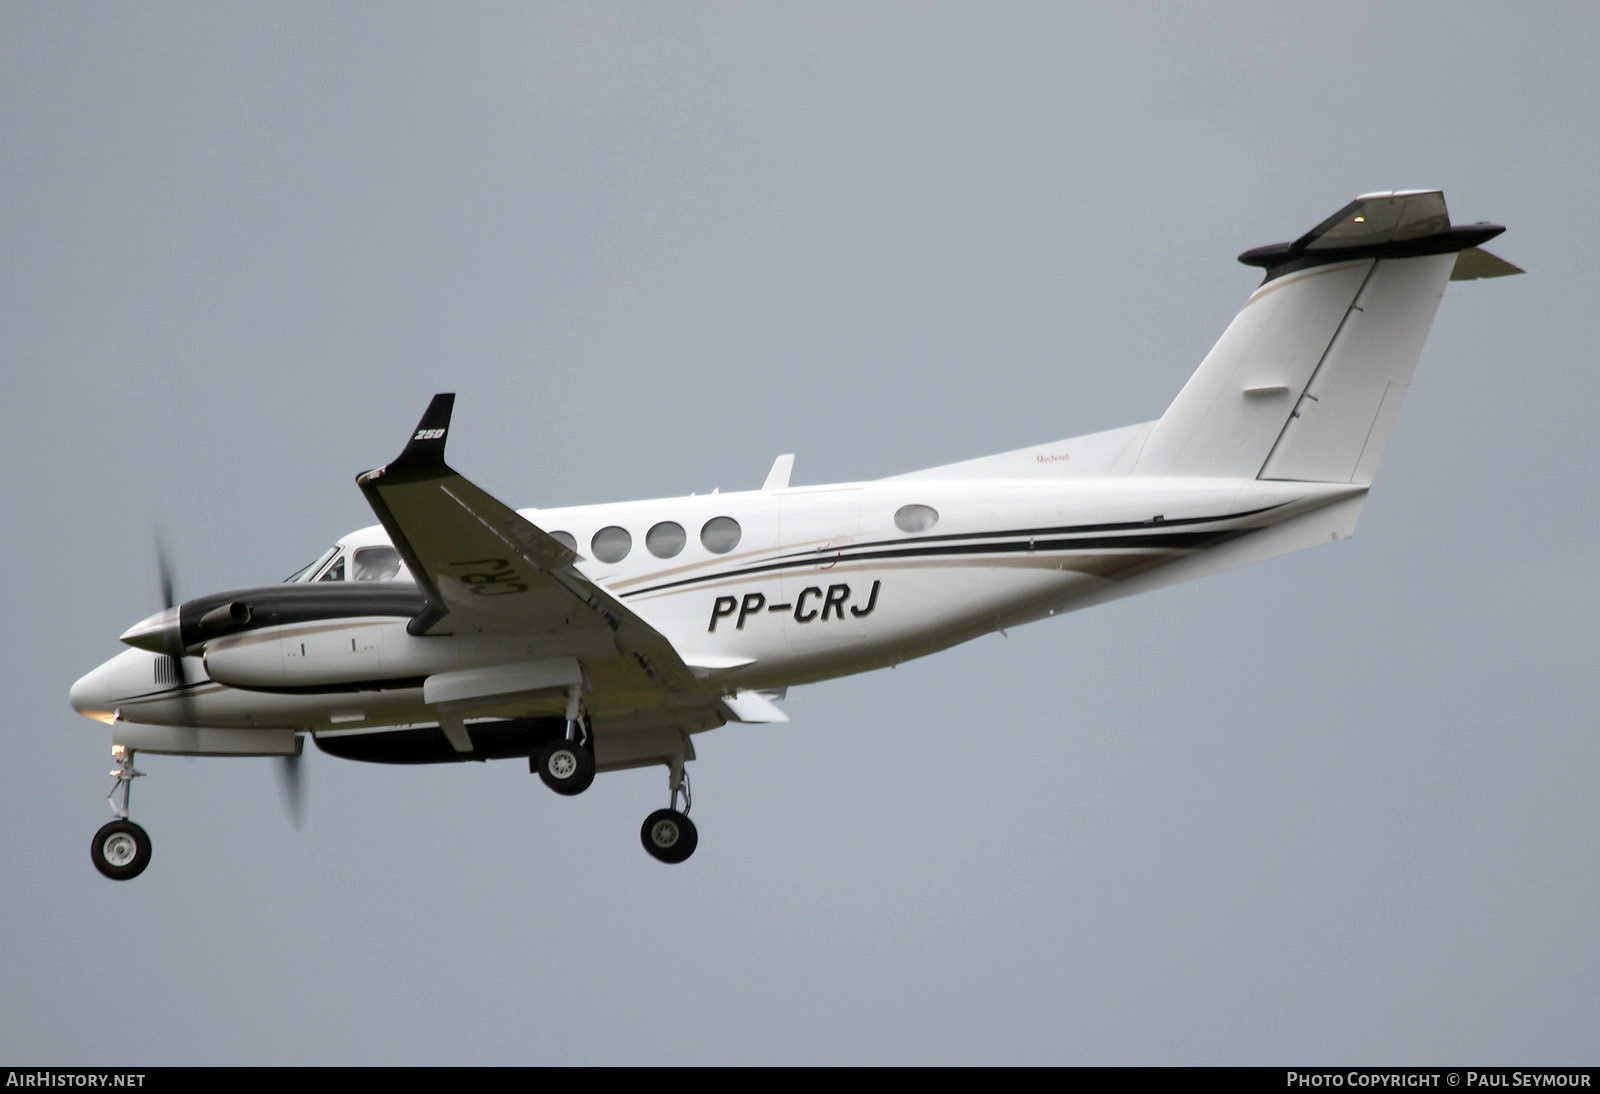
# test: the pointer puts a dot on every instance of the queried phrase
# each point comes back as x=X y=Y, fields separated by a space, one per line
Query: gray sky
x=1336 y=807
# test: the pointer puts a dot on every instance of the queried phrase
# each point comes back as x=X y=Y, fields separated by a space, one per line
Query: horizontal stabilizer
x=1475 y=263
x=1384 y=217
x=1390 y=224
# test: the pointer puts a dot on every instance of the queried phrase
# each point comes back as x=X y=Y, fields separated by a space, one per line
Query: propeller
x=291 y=774
x=168 y=596
x=292 y=787
x=173 y=644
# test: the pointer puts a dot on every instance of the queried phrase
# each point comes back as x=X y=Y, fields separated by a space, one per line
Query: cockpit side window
x=334 y=572
x=376 y=564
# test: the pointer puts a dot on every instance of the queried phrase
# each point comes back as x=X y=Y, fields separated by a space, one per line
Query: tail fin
x=1307 y=380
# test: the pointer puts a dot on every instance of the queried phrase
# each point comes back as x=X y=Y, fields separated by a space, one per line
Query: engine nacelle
x=368 y=652
x=301 y=656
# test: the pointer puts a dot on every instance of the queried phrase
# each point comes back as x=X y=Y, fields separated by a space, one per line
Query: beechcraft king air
x=606 y=637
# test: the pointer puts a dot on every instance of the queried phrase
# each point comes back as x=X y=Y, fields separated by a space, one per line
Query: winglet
x=425 y=450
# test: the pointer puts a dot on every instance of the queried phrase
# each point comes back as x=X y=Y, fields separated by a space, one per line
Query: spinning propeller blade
x=174 y=646
x=168 y=597
x=291 y=775
x=292 y=785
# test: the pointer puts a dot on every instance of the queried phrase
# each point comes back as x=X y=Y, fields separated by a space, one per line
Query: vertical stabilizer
x=1307 y=380
x=1229 y=415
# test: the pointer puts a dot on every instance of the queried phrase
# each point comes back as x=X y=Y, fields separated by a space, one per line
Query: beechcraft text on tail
x=604 y=637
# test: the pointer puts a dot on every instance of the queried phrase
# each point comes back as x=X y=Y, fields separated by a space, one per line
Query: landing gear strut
x=121 y=849
x=669 y=835
x=567 y=766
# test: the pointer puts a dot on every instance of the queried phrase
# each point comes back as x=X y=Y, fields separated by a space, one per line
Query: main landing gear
x=669 y=835
x=121 y=849
x=567 y=766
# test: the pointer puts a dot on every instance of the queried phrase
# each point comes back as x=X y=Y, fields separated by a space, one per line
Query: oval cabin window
x=720 y=535
x=611 y=544
x=666 y=539
x=915 y=518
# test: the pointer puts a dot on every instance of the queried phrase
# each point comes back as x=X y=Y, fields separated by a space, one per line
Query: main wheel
x=121 y=850
x=669 y=835
x=566 y=767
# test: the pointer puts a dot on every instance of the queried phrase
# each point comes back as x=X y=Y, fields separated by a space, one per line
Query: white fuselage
x=821 y=583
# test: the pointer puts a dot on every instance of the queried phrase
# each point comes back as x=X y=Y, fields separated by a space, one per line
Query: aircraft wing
x=486 y=570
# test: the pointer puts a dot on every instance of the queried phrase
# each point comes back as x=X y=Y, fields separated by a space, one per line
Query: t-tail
x=1306 y=382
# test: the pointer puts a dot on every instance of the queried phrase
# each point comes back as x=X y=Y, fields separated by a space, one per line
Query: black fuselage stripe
x=282 y=604
x=1032 y=545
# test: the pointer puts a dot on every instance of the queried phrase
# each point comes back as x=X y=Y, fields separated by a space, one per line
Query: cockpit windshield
x=306 y=573
x=362 y=564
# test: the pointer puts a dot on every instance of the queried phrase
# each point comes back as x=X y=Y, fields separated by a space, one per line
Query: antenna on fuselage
x=778 y=477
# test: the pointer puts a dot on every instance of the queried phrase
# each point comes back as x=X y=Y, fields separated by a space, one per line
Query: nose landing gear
x=121 y=849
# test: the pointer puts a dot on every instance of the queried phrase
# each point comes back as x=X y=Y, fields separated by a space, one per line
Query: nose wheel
x=121 y=849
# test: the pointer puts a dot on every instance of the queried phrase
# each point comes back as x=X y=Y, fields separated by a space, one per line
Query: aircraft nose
x=93 y=695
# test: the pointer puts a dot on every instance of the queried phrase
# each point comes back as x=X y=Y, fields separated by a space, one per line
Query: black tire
x=121 y=850
x=566 y=767
x=669 y=835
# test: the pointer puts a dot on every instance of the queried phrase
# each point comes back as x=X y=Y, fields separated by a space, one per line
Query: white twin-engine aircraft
x=604 y=637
